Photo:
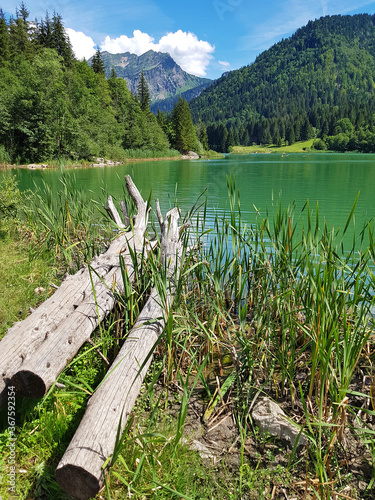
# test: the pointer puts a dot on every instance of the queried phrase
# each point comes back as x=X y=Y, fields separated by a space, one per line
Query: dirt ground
x=218 y=442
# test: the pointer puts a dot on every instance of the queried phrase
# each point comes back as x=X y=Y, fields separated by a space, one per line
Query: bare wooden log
x=141 y=218
x=71 y=304
x=24 y=337
x=38 y=372
x=112 y=210
x=80 y=471
x=125 y=213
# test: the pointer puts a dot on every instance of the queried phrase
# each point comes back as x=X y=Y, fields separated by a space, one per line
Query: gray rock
x=269 y=417
x=191 y=155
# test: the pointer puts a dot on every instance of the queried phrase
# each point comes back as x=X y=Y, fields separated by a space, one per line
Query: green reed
x=296 y=303
x=65 y=222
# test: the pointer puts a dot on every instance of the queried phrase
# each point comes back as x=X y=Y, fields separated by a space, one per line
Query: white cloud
x=192 y=54
x=83 y=45
x=138 y=44
x=226 y=64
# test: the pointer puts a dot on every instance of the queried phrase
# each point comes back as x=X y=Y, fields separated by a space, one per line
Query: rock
x=35 y=166
x=104 y=162
x=269 y=417
x=362 y=485
x=191 y=155
x=202 y=449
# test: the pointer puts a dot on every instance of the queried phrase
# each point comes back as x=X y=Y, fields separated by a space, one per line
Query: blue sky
x=206 y=37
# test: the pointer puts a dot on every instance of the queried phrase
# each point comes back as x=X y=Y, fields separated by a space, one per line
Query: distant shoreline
x=45 y=166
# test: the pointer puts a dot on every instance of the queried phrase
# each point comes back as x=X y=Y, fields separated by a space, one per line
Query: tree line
x=53 y=105
x=301 y=88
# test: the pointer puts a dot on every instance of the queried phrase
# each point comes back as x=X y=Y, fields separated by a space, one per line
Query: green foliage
x=292 y=308
x=53 y=106
x=317 y=83
x=62 y=224
x=184 y=135
x=97 y=63
x=143 y=93
x=319 y=145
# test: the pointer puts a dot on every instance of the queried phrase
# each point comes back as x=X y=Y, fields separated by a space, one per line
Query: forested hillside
x=52 y=105
x=317 y=83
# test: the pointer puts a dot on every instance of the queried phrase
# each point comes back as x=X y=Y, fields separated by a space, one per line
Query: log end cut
x=28 y=384
x=77 y=482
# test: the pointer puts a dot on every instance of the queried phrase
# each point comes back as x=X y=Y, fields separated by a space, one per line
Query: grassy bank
x=262 y=311
x=297 y=147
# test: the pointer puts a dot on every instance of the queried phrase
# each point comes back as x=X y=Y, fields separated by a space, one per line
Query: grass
x=297 y=147
x=24 y=282
x=261 y=310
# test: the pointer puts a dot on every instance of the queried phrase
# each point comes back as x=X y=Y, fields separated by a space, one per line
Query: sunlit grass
x=297 y=147
x=24 y=282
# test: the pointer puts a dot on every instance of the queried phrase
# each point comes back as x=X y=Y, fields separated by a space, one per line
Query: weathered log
x=24 y=337
x=112 y=210
x=27 y=343
x=80 y=471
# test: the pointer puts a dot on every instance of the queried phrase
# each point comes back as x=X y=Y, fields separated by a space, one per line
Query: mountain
x=307 y=83
x=164 y=77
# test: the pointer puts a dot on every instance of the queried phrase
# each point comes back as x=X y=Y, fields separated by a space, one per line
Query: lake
x=330 y=179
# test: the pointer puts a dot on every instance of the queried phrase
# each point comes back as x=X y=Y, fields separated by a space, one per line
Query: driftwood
x=80 y=471
x=36 y=350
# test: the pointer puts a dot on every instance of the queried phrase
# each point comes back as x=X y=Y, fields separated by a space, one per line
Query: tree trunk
x=80 y=471
x=36 y=350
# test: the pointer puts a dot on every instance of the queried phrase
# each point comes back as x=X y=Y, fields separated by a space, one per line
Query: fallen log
x=30 y=353
x=80 y=471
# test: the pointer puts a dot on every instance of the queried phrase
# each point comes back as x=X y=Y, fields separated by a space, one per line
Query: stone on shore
x=269 y=417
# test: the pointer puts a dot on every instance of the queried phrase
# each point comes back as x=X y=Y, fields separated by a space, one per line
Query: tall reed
x=66 y=222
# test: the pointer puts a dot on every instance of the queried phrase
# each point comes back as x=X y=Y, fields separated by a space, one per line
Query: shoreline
x=109 y=163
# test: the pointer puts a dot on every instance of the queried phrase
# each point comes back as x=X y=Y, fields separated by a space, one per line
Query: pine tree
x=143 y=93
x=97 y=63
x=276 y=138
x=60 y=40
x=20 y=42
x=230 y=139
x=22 y=12
x=184 y=133
x=4 y=39
x=202 y=135
x=290 y=136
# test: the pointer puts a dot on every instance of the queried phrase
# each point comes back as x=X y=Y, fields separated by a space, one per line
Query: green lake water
x=332 y=180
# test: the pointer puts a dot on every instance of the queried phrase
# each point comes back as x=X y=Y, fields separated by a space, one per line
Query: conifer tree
x=202 y=135
x=97 y=63
x=230 y=139
x=143 y=93
x=60 y=40
x=184 y=133
x=4 y=39
x=20 y=42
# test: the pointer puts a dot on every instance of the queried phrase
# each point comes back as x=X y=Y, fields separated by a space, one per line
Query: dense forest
x=319 y=83
x=53 y=106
